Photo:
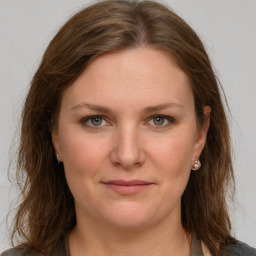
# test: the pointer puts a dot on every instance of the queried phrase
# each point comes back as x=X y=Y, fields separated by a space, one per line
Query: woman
x=122 y=107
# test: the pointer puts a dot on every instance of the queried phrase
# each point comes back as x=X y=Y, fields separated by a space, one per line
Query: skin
x=127 y=144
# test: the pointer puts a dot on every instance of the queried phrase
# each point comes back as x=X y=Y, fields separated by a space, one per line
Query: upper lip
x=128 y=182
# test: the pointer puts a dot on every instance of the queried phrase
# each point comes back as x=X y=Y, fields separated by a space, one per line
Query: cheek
x=173 y=154
x=82 y=155
x=172 y=160
x=83 y=159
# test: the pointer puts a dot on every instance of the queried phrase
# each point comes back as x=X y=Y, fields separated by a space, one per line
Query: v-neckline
x=196 y=246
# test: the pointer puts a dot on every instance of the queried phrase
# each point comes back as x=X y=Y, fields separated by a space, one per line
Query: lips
x=127 y=187
x=128 y=183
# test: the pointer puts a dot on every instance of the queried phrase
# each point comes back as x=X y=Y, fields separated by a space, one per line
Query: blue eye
x=158 y=120
x=161 y=121
x=94 y=121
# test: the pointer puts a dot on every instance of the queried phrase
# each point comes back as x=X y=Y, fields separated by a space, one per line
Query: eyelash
x=168 y=118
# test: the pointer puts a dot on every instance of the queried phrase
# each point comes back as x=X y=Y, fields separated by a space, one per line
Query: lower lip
x=128 y=190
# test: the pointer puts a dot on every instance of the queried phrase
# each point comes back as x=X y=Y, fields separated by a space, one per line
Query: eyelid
x=85 y=119
x=170 y=119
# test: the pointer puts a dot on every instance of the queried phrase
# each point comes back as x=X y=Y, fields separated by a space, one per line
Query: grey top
x=237 y=249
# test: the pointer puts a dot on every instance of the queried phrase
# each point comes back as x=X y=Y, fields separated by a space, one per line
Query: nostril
x=127 y=159
x=127 y=151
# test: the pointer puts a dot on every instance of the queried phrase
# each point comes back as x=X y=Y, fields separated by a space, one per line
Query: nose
x=127 y=151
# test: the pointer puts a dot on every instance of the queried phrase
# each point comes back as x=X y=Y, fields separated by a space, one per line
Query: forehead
x=134 y=77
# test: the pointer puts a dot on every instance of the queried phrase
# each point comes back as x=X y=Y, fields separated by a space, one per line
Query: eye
x=158 y=120
x=161 y=121
x=94 y=122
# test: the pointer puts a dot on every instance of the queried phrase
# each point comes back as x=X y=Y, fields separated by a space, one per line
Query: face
x=128 y=137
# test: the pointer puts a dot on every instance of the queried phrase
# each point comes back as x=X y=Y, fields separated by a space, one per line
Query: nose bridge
x=127 y=150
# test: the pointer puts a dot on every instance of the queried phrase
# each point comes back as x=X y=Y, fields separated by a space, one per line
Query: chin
x=130 y=215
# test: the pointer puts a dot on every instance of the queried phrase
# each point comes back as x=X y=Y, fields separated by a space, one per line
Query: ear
x=202 y=134
x=56 y=145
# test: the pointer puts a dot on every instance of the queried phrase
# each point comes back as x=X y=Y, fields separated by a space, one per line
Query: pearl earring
x=57 y=158
x=196 y=165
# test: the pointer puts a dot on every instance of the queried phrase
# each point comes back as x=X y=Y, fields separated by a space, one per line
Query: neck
x=160 y=240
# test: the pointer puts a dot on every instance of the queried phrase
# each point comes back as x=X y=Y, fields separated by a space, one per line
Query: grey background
x=228 y=29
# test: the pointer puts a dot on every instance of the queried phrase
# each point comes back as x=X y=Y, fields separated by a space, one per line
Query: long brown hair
x=47 y=210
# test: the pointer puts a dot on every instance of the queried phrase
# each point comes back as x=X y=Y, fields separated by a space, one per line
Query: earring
x=196 y=165
x=57 y=158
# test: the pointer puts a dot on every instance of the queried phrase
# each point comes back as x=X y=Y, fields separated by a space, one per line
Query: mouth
x=127 y=187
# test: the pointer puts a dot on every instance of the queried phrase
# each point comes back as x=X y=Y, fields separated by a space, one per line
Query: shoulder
x=17 y=252
x=12 y=252
x=238 y=249
x=59 y=249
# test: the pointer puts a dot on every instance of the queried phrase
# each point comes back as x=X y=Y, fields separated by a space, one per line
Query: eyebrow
x=106 y=110
x=161 y=107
